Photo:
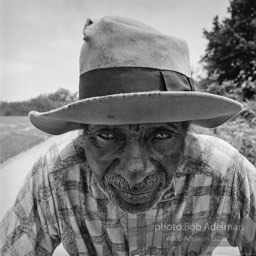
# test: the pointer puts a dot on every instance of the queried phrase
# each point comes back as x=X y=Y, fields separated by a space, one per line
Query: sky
x=40 y=40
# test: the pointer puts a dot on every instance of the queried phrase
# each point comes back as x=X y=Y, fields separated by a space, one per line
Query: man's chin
x=134 y=203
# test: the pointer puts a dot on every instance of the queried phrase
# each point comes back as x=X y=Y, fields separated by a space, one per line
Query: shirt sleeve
x=31 y=226
x=243 y=209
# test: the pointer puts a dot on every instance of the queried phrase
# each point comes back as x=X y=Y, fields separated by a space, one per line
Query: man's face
x=134 y=164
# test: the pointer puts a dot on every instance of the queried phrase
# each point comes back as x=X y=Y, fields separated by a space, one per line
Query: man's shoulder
x=65 y=153
x=202 y=143
x=212 y=155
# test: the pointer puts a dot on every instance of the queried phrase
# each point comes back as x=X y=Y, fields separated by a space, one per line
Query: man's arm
x=31 y=227
x=243 y=209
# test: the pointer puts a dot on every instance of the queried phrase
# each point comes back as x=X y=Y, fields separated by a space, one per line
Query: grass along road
x=17 y=135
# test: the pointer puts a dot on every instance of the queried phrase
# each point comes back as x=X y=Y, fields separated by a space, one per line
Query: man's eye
x=106 y=136
x=162 y=136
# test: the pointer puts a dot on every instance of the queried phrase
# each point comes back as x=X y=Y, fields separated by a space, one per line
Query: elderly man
x=135 y=181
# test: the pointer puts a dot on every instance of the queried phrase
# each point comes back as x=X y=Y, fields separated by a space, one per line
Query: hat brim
x=203 y=109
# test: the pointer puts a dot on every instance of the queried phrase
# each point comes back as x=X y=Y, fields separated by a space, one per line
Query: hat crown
x=121 y=42
x=132 y=73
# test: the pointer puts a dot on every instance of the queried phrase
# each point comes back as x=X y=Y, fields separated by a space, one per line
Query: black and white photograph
x=128 y=127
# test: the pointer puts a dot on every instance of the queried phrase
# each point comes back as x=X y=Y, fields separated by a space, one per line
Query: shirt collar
x=170 y=193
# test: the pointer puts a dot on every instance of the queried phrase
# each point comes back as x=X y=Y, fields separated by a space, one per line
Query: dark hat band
x=107 y=81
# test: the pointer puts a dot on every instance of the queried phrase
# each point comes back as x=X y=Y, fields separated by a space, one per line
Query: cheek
x=169 y=154
x=99 y=160
x=168 y=149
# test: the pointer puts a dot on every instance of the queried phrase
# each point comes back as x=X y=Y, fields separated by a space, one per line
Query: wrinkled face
x=134 y=164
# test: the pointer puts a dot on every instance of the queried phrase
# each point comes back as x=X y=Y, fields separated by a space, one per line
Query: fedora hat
x=132 y=73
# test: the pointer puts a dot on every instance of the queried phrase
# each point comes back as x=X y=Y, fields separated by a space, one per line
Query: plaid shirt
x=212 y=197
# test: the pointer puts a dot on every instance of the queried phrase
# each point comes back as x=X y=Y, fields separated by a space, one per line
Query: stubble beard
x=113 y=182
x=162 y=178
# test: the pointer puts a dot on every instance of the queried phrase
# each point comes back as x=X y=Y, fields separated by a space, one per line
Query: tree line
x=41 y=103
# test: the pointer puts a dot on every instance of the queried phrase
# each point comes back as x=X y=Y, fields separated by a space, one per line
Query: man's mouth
x=135 y=197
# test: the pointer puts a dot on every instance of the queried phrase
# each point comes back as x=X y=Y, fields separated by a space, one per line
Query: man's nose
x=136 y=163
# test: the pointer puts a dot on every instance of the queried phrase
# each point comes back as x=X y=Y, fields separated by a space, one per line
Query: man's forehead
x=138 y=127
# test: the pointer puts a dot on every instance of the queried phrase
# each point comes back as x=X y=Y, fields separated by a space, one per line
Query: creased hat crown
x=122 y=42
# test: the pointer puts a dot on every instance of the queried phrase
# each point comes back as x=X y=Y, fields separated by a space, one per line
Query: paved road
x=12 y=175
